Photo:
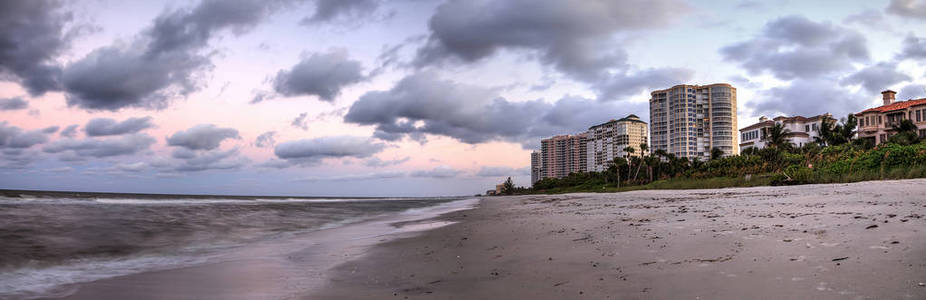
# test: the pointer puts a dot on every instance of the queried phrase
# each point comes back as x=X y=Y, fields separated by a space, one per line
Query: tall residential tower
x=563 y=154
x=690 y=120
x=607 y=141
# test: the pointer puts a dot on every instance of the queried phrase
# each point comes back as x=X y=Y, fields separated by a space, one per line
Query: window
x=918 y=116
x=879 y=120
x=806 y=128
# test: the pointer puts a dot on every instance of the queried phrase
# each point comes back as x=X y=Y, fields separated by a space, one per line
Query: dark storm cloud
x=569 y=37
x=912 y=91
x=266 y=139
x=17 y=138
x=202 y=137
x=796 y=47
x=70 y=131
x=810 y=98
x=424 y=104
x=31 y=36
x=94 y=147
x=13 y=104
x=908 y=8
x=327 y=10
x=913 y=48
x=492 y=171
x=321 y=74
x=877 y=77
x=312 y=151
x=376 y=162
x=106 y=126
x=631 y=84
x=439 y=172
x=163 y=62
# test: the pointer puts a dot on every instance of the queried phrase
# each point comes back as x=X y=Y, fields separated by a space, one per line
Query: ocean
x=50 y=242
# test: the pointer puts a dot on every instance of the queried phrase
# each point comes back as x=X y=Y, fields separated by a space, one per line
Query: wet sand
x=839 y=241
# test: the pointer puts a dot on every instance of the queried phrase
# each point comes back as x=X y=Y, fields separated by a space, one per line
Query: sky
x=401 y=97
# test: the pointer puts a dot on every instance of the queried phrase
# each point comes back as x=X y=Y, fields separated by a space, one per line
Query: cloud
x=628 y=84
x=50 y=129
x=809 y=98
x=135 y=167
x=70 y=131
x=795 y=47
x=425 y=104
x=94 y=147
x=870 y=18
x=106 y=126
x=202 y=160
x=437 y=172
x=577 y=40
x=376 y=162
x=357 y=177
x=492 y=171
x=13 y=104
x=31 y=37
x=17 y=138
x=321 y=74
x=908 y=8
x=312 y=151
x=912 y=91
x=301 y=121
x=877 y=77
x=913 y=48
x=328 y=10
x=163 y=61
x=202 y=137
x=266 y=139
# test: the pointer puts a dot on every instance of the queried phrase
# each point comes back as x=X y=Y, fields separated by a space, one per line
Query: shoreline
x=831 y=241
x=273 y=269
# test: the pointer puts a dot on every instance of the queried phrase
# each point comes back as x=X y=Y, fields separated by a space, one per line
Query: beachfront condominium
x=563 y=154
x=800 y=131
x=690 y=120
x=608 y=140
x=536 y=167
x=875 y=124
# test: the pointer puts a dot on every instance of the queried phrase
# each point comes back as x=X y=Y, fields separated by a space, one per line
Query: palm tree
x=643 y=148
x=716 y=153
x=777 y=137
x=904 y=133
x=508 y=187
x=847 y=131
x=825 y=133
x=629 y=150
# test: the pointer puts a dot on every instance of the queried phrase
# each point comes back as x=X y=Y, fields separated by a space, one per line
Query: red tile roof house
x=874 y=124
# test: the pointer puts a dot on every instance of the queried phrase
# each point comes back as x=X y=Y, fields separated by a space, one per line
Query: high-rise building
x=607 y=141
x=690 y=120
x=563 y=154
x=801 y=131
x=876 y=124
x=536 y=167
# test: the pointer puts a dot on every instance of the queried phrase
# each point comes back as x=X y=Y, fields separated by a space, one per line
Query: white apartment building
x=801 y=130
x=690 y=120
x=607 y=141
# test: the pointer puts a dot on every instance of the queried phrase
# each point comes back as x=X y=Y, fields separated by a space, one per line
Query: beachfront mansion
x=874 y=124
x=800 y=130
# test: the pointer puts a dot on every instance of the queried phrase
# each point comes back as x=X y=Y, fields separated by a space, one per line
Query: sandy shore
x=843 y=241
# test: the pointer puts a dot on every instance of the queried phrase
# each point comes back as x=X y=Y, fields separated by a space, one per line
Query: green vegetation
x=835 y=157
